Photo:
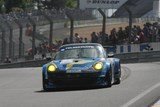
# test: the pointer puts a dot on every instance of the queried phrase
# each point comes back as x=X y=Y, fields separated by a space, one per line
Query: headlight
x=52 y=68
x=98 y=66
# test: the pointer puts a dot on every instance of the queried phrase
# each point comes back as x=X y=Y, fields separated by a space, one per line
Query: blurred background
x=35 y=29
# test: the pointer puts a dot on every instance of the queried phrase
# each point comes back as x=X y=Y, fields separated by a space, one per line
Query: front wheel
x=44 y=83
x=109 y=79
x=117 y=81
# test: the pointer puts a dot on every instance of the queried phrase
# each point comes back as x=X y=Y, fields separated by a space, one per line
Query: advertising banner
x=104 y=4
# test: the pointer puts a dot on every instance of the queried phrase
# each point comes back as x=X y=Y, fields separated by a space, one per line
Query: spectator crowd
x=148 y=33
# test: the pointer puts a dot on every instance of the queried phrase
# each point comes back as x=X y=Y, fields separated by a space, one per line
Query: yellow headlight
x=98 y=66
x=52 y=68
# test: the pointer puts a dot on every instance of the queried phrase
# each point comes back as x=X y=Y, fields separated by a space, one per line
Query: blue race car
x=85 y=64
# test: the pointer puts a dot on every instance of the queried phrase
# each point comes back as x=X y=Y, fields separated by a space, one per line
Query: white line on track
x=141 y=95
x=157 y=104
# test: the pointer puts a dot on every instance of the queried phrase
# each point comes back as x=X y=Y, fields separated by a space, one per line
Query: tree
x=10 y=4
x=2 y=7
x=60 y=4
x=49 y=4
x=57 y=4
x=71 y=3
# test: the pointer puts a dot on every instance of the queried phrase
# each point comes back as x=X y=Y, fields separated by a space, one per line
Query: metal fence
x=24 y=31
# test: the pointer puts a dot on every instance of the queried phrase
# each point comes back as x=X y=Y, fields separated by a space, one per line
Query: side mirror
x=48 y=58
x=110 y=55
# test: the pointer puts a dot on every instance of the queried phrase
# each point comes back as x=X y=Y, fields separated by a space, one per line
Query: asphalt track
x=140 y=87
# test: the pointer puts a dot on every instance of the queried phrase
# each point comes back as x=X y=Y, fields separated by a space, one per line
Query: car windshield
x=76 y=52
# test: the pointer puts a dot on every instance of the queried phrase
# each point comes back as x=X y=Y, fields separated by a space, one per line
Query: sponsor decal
x=104 y=4
x=79 y=47
x=82 y=62
x=66 y=61
x=103 y=1
x=73 y=71
x=69 y=66
x=62 y=50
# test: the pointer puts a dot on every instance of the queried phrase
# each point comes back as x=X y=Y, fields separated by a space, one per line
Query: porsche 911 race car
x=85 y=64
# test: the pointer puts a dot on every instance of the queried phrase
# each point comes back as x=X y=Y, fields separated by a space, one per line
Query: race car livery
x=85 y=64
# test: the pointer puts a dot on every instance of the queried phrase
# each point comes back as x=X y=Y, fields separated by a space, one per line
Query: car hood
x=76 y=64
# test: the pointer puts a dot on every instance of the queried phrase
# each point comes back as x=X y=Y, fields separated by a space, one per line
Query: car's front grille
x=74 y=75
x=73 y=78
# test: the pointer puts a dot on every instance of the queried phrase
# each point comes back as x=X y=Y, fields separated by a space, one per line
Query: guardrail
x=35 y=63
x=139 y=57
x=125 y=58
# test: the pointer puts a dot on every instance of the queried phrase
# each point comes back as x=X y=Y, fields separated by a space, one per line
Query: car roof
x=81 y=44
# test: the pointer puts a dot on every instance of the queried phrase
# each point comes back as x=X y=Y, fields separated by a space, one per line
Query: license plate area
x=73 y=71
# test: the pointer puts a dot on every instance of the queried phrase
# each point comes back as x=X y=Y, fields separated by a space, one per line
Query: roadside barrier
x=146 y=52
x=125 y=58
x=34 y=63
x=139 y=57
x=132 y=48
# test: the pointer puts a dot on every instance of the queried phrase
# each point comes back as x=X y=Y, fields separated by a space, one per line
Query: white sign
x=104 y=4
x=156 y=8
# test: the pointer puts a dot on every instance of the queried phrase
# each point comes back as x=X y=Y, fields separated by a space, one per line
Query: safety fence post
x=33 y=35
x=21 y=49
x=104 y=21
x=13 y=49
x=77 y=15
x=3 y=52
x=71 y=26
x=10 y=39
x=130 y=21
x=51 y=27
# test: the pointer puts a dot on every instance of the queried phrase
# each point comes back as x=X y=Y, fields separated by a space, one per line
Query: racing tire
x=118 y=81
x=109 y=79
x=44 y=83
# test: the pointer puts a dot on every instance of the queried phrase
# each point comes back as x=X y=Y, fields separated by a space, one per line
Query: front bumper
x=59 y=80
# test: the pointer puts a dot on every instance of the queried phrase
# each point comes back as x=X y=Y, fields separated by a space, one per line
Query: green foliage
x=2 y=9
x=71 y=3
x=1 y=2
x=26 y=4
x=18 y=4
x=59 y=4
